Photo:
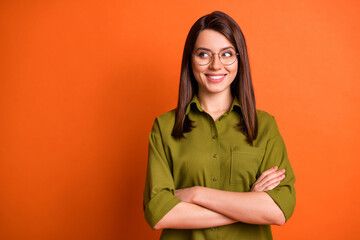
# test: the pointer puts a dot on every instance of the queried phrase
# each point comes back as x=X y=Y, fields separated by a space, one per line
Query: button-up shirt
x=214 y=154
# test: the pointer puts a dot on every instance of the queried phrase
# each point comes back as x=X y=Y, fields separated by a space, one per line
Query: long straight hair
x=241 y=87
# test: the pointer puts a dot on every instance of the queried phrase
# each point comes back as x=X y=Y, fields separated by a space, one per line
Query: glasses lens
x=227 y=56
x=202 y=57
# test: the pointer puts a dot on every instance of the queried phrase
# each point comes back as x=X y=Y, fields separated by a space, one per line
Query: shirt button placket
x=214 y=177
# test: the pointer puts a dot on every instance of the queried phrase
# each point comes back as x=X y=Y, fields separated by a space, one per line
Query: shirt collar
x=195 y=101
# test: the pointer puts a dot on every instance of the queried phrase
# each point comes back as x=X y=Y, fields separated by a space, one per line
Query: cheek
x=196 y=72
x=232 y=70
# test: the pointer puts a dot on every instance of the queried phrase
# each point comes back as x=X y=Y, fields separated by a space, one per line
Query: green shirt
x=214 y=155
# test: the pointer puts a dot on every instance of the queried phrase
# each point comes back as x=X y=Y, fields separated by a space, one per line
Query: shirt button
x=214 y=137
x=215 y=155
x=214 y=179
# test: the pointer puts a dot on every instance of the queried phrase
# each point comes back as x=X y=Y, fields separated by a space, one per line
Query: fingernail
x=275 y=167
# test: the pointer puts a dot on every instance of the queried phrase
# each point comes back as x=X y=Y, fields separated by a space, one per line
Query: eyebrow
x=207 y=49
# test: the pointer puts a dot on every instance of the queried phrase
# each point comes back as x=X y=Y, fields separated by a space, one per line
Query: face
x=214 y=77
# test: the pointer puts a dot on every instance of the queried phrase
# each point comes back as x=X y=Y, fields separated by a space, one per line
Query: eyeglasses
x=204 y=56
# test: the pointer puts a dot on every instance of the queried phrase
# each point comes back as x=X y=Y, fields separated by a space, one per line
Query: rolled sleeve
x=276 y=155
x=159 y=193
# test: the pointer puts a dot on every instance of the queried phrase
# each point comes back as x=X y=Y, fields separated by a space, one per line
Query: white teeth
x=216 y=77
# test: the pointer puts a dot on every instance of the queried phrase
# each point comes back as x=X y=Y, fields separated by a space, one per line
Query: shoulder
x=264 y=116
x=266 y=123
x=164 y=122
x=166 y=117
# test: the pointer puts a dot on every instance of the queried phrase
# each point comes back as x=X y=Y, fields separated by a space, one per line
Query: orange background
x=82 y=81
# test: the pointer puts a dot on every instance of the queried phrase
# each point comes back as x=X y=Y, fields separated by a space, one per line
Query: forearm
x=247 y=207
x=191 y=216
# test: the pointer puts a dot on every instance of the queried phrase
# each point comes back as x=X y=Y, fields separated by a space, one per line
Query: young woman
x=216 y=166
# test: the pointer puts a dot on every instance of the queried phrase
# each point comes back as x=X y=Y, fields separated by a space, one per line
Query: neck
x=215 y=102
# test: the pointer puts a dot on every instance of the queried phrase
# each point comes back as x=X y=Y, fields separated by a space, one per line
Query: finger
x=273 y=180
x=265 y=184
x=272 y=186
x=259 y=186
x=271 y=176
x=267 y=172
x=256 y=188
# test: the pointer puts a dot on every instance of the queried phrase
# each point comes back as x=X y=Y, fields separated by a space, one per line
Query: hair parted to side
x=241 y=87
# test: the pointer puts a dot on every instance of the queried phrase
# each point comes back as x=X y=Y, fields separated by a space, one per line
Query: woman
x=216 y=167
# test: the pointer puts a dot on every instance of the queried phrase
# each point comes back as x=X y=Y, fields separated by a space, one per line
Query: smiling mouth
x=215 y=77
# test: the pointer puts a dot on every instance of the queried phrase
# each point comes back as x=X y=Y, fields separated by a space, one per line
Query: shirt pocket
x=244 y=166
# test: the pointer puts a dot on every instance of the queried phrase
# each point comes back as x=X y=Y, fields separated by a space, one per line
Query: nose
x=215 y=63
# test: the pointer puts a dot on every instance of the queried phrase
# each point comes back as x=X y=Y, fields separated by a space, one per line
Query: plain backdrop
x=81 y=83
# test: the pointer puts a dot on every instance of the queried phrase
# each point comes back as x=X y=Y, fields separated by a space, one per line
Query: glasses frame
x=212 y=57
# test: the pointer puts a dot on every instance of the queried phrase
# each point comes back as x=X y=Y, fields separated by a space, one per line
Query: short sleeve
x=159 y=194
x=276 y=155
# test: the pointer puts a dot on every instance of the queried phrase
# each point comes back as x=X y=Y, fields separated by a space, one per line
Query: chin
x=216 y=90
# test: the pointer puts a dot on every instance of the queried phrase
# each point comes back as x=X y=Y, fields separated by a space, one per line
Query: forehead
x=212 y=40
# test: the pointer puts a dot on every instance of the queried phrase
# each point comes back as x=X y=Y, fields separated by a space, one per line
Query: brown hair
x=241 y=87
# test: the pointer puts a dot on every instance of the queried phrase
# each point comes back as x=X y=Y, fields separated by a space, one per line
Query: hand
x=268 y=180
x=186 y=194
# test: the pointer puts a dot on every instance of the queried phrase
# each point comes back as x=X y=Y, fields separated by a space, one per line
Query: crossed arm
x=202 y=207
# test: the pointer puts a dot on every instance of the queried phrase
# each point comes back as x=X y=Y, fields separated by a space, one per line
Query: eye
x=227 y=54
x=203 y=54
